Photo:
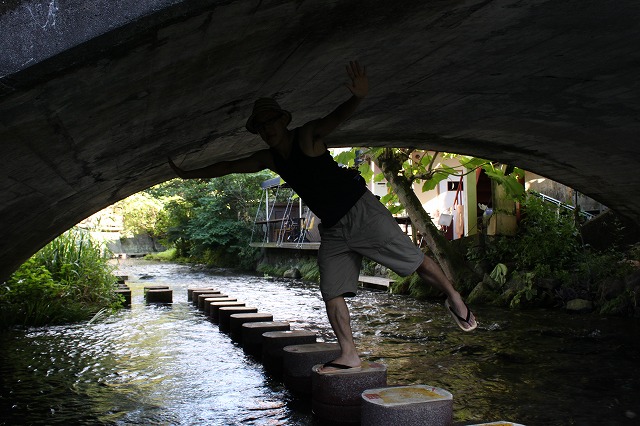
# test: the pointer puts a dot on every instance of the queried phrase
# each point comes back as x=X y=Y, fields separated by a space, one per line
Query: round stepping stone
x=146 y=288
x=190 y=291
x=237 y=320
x=214 y=309
x=252 y=335
x=126 y=293
x=196 y=293
x=222 y=298
x=225 y=312
x=273 y=343
x=202 y=297
x=298 y=360
x=407 y=405
x=337 y=394
x=159 y=296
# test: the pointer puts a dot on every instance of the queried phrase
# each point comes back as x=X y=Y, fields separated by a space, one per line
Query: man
x=354 y=222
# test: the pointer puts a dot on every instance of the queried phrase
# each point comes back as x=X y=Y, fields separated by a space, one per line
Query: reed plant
x=68 y=280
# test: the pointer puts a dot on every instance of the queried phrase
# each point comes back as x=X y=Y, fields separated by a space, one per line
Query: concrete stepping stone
x=237 y=320
x=203 y=297
x=225 y=312
x=414 y=405
x=252 y=335
x=159 y=296
x=126 y=293
x=190 y=291
x=196 y=293
x=337 y=394
x=298 y=360
x=198 y=300
x=214 y=309
x=146 y=288
x=222 y=298
x=273 y=343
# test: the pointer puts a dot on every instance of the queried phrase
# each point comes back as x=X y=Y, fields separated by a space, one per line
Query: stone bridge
x=95 y=95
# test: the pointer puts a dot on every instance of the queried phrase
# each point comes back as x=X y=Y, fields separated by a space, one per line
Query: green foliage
x=141 y=214
x=164 y=256
x=68 y=280
x=545 y=237
x=211 y=220
x=527 y=289
x=499 y=273
x=310 y=270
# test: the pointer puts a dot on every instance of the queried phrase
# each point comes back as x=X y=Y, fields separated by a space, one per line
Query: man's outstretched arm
x=254 y=163
x=359 y=88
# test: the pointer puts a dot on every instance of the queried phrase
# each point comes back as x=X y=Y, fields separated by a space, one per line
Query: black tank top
x=328 y=189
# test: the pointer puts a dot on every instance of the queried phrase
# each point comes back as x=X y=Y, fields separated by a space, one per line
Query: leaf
x=365 y=170
x=346 y=158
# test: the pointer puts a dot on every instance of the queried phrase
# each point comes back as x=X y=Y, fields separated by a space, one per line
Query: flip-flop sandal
x=338 y=366
x=459 y=320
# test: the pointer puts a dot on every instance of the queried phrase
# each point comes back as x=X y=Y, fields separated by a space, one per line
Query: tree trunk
x=452 y=263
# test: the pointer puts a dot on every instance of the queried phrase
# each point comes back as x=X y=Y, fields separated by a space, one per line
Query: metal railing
x=559 y=203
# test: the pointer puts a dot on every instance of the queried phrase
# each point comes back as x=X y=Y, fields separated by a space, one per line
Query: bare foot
x=341 y=363
x=461 y=313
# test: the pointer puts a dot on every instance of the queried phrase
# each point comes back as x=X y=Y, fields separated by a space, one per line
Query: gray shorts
x=368 y=229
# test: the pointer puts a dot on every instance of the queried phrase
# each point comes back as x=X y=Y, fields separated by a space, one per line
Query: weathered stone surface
x=190 y=291
x=236 y=322
x=159 y=296
x=292 y=273
x=273 y=343
x=579 y=305
x=214 y=309
x=225 y=312
x=414 y=405
x=482 y=293
x=298 y=360
x=209 y=300
x=196 y=293
x=204 y=296
x=94 y=97
x=336 y=395
x=252 y=335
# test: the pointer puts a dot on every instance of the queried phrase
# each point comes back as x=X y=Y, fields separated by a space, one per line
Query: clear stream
x=169 y=365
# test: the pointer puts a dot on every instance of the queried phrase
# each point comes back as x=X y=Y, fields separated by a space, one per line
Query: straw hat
x=265 y=104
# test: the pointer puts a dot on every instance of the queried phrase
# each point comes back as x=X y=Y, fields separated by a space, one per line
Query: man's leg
x=432 y=274
x=340 y=320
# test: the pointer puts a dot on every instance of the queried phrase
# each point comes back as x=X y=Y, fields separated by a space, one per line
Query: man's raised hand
x=359 y=82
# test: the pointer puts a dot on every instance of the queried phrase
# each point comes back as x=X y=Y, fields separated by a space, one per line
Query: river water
x=169 y=365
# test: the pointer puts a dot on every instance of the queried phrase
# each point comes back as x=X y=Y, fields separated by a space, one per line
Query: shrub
x=68 y=280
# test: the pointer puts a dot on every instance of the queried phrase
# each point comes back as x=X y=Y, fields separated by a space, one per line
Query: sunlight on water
x=170 y=365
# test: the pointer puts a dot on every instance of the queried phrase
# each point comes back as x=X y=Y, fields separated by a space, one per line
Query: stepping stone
x=273 y=343
x=337 y=394
x=196 y=293
x=203 y=297
x=252 y=335
x=407 y=405
x=222 y=298
x=225 y=312
x=236 y=321
x=190 y=291
x=126 y=293
x=154 y=287
x=159 y=296
x=298 y=360
x=214 y=309
x=198 y=300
